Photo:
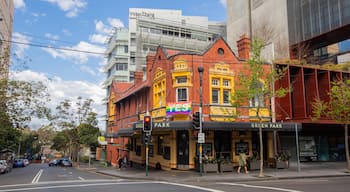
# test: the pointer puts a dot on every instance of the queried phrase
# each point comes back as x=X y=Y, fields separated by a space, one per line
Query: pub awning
x=126 y=132
x=223 y=126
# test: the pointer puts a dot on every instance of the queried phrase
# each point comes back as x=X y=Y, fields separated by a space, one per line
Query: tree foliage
x=88 y=135
x=78 y=122
x=337 y=108
x=255 y=88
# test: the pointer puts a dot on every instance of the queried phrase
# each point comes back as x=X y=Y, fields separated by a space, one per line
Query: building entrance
x=182 y=148
x=222 y=143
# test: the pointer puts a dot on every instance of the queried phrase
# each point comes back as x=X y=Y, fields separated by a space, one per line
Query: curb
x=204 y=179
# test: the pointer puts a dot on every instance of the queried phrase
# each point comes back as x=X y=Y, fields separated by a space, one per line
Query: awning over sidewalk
x=223 y=126
x=126 y=132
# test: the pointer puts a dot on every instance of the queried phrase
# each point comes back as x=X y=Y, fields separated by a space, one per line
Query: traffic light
x=147 y=123
x=195 y=120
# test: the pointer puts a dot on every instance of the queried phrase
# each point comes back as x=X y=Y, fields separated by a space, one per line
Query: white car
x=26 y=162
x=4 y=167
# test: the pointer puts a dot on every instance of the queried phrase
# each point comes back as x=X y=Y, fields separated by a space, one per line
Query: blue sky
x=81 y=25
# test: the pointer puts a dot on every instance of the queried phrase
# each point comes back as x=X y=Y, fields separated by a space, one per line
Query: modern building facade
x=313 y=28
x=6 y=22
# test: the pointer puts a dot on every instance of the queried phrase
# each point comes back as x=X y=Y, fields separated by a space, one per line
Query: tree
x=88 y=135
x=337 y=108
x=20 y=101
x=254 y=88
x=70 y=116
x=61 y=141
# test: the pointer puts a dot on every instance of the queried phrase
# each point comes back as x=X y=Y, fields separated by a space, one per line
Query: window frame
x=177 y=94
x=217 y=95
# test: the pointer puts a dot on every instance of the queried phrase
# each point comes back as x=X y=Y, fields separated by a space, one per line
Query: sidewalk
x=307 y=170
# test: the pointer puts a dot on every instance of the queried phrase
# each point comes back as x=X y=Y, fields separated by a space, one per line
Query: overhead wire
x=53 y=47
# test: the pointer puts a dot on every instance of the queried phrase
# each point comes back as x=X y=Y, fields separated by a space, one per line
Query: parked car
x=26 y=162
x=61 y=162
x=66 y=163
x=18 y=163
x=4 y=167
x=53 y=162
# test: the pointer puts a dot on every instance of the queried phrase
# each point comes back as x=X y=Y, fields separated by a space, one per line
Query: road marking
x=261 y=187
x=81 y=178
x=192 y=186
x=37 y=176
x=62 y=182
x=107 y=183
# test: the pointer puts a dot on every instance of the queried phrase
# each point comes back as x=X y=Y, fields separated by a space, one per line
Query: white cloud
x=52 y=36
x=88 y=70
x=223 y=2
x=19 y=4
x=20 y=43
x=79 y=53
x=113 y=22
x=39 y=14
x=72 y=7
x=107 y=28
x=103 y=29
x=60 y=90
x=67 y=32
x=97 y=38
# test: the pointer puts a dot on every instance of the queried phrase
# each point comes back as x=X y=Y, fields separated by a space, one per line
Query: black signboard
x=242 y=147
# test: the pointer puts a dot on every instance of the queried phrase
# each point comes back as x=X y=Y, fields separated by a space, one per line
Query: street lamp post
x=200 y=71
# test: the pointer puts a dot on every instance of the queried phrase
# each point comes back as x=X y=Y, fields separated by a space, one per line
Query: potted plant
x=225 y=164
x=282 y=159
x=253 y=161
x=210 y=165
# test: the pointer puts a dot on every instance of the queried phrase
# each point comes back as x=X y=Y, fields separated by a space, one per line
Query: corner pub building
x=169 y=92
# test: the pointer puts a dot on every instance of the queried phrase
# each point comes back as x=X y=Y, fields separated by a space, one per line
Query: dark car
x=66 y=163
x=61 y=162
x=54 y=162
x=18 y=163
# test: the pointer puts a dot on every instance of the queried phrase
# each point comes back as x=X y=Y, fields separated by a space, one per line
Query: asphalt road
x=332 y=184
x=41 y=177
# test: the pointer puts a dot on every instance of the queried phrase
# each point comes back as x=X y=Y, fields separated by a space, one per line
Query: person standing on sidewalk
x=242 y=163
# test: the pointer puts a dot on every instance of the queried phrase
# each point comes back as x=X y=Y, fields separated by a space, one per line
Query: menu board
x=242 y=147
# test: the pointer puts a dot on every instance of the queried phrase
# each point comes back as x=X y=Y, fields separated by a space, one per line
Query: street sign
x=201 y=137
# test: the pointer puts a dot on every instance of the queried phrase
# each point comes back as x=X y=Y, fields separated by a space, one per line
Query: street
x=41 y=177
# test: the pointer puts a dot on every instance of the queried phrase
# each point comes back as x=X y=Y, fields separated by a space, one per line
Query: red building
x=169 y=92
x=321 y=140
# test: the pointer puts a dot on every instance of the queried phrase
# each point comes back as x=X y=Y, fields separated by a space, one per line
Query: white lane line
x=260 y=187
x=37 y=176
x=81 y=178
x=62 y=182
x=191 y=186
x=107 y=183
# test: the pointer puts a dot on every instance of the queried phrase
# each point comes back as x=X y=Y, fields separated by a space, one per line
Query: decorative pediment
x=222 y=69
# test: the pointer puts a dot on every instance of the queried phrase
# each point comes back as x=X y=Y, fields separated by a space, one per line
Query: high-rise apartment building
x=149 y=28
x=6 y=22
x=316 y=28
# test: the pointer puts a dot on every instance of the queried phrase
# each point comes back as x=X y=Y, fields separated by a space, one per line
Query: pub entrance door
x=182 y=140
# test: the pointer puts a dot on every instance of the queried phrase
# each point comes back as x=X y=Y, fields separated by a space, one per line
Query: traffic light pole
x=200 y=70
x=147 y=129
x=147 y=154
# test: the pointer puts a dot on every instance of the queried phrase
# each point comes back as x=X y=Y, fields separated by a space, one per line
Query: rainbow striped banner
x=178 y=108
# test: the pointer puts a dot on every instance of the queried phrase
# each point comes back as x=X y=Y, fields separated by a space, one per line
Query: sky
x=61 y=42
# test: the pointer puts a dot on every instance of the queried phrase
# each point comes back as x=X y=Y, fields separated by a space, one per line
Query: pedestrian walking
x=242 y=163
